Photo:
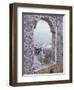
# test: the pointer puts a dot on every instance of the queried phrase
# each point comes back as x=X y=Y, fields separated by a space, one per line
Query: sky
x=42 y=33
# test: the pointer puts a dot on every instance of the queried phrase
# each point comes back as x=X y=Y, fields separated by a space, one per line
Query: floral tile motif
x=39 y=58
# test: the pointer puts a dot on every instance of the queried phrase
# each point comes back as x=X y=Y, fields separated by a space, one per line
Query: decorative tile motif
x=29 y=23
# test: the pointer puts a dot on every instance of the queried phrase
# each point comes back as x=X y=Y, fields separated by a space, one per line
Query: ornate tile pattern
x=29 y=23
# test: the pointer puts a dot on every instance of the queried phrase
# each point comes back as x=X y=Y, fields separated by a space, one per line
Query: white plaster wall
x=4 y=46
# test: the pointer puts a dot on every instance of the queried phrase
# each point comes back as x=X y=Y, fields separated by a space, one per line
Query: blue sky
x=42 y=33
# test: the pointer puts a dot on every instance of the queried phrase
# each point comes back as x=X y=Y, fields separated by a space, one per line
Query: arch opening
x=42 y=38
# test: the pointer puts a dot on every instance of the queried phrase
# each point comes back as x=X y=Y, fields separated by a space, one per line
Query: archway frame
x=29 y=24
x=54 y=33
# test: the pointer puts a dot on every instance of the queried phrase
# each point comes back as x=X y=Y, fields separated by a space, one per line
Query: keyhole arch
x=54 y=35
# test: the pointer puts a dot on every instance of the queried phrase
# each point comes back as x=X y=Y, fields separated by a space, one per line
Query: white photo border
x=66 y=45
